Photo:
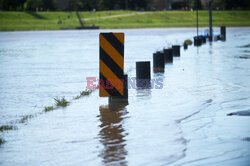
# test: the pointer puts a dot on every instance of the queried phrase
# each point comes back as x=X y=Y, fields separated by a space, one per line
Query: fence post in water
x=176 y=50
x=158 y=62
x=168 y=55
x=203 y=39
x=185 y=45
x=210 y=22
x=143 y=76
x=223 y=33
x=197 y=41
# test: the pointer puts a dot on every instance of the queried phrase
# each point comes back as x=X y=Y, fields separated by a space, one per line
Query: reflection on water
x=159 y=75
x=210 y=50
x=200 y=88
x=112 y=134
x=143 y=93
x=197 y=50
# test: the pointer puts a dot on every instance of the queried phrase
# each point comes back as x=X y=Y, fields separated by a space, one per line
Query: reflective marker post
x=111 y=82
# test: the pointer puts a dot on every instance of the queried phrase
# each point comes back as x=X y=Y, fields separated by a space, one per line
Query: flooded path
x=184 y=123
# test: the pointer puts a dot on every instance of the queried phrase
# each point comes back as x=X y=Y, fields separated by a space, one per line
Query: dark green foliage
x=61 y=102
x=195 y=3
x=7 y=127
x=83 y=5
x=25 y=118
x=188 y=42
x=1 y=141
x=48 y=108
x=41 y=5
x=12 y=5
x=29 y=5
x=83 y=93
x=231 y=4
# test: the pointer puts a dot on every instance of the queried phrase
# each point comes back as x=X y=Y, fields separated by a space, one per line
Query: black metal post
x=210 y=22
x=143 y=76
x=168 y=55
x=158 y=62
x=223 y=33
x=176 y=50
x=197 y=23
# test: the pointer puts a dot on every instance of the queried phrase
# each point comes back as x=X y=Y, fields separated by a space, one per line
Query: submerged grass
x=25 y=118
x=2 y=141
x=188 y=42
x=245 y=46
x=48 y=108
x=83 y=93
x=7 y=128
x=61 y=102
x=58 y=103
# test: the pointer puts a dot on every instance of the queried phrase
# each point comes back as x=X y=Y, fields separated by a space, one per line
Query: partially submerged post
x=176 y=50
x=168 y=55
x=223 y=33
x=203 y=39
x=197 y=41
x=185 y=45
x=210 y=22
x=125 y=91
x=143 y=76
x=113 y=82
x=158 y=62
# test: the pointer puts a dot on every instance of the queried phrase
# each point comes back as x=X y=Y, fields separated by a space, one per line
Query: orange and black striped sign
x=111 y=64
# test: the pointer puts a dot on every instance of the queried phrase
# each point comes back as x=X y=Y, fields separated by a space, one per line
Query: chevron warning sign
x=111 y=64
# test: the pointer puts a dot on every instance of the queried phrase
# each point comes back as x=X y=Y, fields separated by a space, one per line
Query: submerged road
x=186 y=122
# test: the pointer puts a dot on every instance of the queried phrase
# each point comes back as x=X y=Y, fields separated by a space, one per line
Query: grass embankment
x=13 y=21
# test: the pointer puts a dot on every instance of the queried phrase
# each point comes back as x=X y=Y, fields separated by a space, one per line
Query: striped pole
x=111 y=82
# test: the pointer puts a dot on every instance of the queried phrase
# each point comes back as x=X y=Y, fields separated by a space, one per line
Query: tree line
x=87 y=5
x=53 y=5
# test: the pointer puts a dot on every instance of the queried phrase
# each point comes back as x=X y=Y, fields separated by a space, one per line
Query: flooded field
x=186 y=122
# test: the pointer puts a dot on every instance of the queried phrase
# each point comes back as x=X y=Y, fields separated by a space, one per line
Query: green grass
x=61 y=102
x=188 y=42
x=48 y=108
x=7 y=128
x=83 y=93
x=58 y=103
x=13 y=21
x=25 y=118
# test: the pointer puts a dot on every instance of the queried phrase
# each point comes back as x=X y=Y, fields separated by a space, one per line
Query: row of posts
x=143 y=75
x=199 y=40
x=143 y=71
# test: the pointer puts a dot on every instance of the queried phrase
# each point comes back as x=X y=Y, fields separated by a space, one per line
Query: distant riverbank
x=25 y=21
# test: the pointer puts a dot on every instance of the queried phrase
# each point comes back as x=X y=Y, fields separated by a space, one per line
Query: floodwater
x=184 y=123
